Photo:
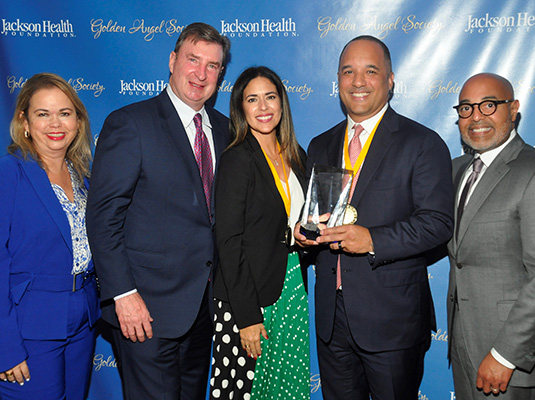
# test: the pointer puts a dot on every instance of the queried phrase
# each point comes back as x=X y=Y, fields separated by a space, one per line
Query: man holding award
x=374 y=311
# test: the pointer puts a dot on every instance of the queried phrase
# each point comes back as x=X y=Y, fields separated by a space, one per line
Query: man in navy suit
x=374 y=320
x=150 y=223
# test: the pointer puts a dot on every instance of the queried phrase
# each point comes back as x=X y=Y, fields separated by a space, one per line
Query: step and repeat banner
x=116 y=52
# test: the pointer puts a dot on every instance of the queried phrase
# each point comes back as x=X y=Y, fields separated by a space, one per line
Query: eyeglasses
x=487 y=107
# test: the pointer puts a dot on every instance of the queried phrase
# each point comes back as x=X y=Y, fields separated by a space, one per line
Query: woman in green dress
x=261 y=346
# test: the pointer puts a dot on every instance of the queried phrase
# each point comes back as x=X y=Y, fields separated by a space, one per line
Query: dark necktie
x=204 y=159
x=477 y=167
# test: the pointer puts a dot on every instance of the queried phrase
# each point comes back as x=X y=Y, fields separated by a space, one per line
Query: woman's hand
x=19 y=373
x=250 y=339
x=301 y=239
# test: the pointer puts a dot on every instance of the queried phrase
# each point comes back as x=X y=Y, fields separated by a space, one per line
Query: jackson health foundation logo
x=139 y=88
x=519 y=22
x=284 y=27
x=400 y=90
x=42 y=29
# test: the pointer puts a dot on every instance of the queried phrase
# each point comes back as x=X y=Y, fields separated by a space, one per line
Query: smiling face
x=195 y=71
x=484 y=133
x=51 y=122
x=262 y=106
x=364 y=79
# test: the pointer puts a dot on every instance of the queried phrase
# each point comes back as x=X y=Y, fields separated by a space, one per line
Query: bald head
x=488 y=79
x=490 y=97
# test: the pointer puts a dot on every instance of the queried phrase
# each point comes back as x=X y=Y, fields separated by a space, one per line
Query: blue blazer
x=404 y=196
x=35 y=248
x=148 y=224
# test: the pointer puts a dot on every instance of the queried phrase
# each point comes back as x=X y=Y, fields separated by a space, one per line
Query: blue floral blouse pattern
x=76 y=215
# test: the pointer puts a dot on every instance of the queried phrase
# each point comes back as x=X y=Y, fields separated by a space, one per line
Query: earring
x=26 y=134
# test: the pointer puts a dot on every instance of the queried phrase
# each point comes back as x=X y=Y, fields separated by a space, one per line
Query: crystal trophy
x=327 y=194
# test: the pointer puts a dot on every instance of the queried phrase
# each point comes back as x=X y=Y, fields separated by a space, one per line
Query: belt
x=59 y=283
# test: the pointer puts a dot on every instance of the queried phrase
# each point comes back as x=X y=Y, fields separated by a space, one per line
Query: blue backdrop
x=116 y=52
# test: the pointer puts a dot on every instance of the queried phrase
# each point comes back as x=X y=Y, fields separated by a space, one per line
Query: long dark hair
x=285 y=130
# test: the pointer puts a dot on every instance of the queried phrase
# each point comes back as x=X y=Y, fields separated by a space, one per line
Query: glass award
x=328 y=193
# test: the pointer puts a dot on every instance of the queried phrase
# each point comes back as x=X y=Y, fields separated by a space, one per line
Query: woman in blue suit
x=48 y=290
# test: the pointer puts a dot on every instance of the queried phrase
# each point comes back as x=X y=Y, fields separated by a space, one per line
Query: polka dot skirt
x=232 y=370
x=282 y=371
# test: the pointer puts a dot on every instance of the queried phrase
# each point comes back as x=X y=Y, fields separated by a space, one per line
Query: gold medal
x=350 y=216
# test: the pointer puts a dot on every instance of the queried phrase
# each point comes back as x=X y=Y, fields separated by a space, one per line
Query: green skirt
x=283 y=369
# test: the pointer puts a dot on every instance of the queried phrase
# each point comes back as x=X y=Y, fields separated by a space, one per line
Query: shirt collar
x=367 y=124
x=185 y=112
x=489 y=156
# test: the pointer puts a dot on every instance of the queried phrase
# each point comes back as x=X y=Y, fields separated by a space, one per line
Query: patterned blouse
x=76 y=215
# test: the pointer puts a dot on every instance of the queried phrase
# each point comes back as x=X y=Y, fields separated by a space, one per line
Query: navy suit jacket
x=147 y=219
x=35 y=246
x=404 y=197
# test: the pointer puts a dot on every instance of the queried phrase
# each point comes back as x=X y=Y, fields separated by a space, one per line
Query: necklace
x=274 y=160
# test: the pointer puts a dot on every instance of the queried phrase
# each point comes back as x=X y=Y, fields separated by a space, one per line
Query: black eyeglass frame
x=472 y=105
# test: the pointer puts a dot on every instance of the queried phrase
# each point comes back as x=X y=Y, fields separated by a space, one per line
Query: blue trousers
x=167 y=368
x=350 y=372
x=59 y=369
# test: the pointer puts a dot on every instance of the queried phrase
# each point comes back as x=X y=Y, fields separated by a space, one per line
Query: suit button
x=451 y=297
x=333 y=270
x=459 y=265
x=208 y=263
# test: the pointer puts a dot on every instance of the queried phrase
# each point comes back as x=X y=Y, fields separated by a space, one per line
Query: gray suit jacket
x=492 y=260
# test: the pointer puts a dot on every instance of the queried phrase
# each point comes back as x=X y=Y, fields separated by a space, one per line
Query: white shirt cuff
x=125 y=294
x=501 y=360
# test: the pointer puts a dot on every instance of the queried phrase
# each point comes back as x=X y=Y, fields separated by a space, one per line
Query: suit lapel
x=381 y=142
x=173 y=127
x=335 y=146
x=40 y=182
x=492 y=177
x=220 y=144
x=220 y=139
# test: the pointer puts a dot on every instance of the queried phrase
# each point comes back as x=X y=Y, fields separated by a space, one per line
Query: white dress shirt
x=368 y=126
x=487 y=157
x=186 y=114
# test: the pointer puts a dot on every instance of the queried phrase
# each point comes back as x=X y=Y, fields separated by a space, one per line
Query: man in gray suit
x=491 y=296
